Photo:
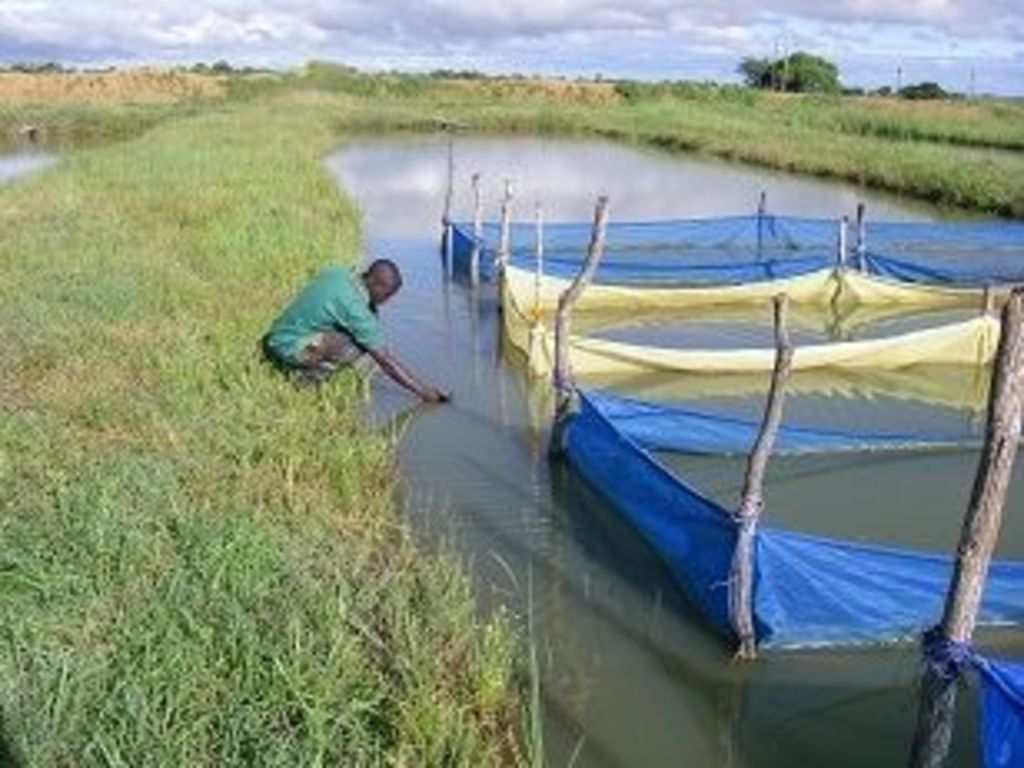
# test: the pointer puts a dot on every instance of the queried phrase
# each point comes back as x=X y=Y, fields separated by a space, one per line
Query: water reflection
x=567 y=176
x=19 y=164
x=629 y=672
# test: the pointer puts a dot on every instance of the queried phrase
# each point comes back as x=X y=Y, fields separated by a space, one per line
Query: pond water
x=630 y=675
x=21 y=163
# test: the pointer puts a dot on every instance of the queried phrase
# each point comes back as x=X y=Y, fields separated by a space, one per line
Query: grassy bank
x=197 y=563
x=962 y=154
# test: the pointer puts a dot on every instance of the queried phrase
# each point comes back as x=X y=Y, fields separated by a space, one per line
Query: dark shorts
x=327 y=354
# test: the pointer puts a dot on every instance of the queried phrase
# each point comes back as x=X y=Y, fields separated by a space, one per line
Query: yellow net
x=837 y=288
x=527 y=306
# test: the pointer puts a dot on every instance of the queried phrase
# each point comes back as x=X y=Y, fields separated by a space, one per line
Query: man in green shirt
x=333 y=321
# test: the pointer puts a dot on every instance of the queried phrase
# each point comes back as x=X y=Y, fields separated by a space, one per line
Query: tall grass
x=198 y=564
x=67 y=126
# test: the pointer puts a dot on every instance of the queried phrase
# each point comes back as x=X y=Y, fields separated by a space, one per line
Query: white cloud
x=580 y=35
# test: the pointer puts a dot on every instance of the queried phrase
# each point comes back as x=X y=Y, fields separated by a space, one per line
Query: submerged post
x=566 y=302
x=741 y=577
x=862 y=235
x=978 y=536
x=504 y=242
x=478 y=232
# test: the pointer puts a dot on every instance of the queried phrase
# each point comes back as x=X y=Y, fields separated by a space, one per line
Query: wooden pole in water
x=446 y=221
x=504 y=242
x=762 y=207
x=450 y=188
x=844 y=225
x=862 y=235
x=741 y=577
x=988 y=300
x=539 y=254
x=978 y=536
x=478 y=232
x=566 y=302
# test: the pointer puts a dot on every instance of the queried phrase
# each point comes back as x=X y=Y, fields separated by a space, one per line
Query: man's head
x=382 y=280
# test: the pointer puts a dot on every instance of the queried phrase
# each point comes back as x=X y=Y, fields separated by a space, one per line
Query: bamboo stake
x=566 y=302
x=741 y=578
x=478 y=231
x=978 y=536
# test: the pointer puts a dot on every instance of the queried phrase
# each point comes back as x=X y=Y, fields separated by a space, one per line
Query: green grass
x=78 y=125
x=197 y=564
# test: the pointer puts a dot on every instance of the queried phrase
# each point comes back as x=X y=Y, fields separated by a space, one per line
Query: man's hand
x=390 y=365
x=436 y=396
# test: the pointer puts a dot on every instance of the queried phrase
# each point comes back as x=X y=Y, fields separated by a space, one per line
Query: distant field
x=122 y=87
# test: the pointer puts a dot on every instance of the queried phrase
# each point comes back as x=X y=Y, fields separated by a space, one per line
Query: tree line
x=803 y=72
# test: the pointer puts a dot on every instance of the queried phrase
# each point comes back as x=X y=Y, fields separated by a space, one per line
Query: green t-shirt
x=335 y=300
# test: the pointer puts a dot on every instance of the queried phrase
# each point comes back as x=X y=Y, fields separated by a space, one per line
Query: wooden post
x=450 y=187
x=988 y=300
x=741 y=577
x=539 y=255
x=762 y=207
x=862 y=236
x=978 y=536
x=504 y=242
x=449 y=239
x=844 y=225
x=478 y=232
x=563 y=318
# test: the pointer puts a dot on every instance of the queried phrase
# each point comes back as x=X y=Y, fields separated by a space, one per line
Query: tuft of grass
x=198 y=564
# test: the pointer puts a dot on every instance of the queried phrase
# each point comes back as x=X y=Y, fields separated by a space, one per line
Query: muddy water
x=630 y=676
x=21 y=163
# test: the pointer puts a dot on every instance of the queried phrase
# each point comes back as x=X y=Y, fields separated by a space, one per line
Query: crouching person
x=333 y=321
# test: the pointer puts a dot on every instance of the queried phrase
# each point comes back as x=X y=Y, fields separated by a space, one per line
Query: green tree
x=926 y=90
x=800 y=72
x=756 y=72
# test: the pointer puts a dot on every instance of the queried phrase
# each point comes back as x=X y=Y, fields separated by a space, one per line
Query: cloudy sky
x=943 y=40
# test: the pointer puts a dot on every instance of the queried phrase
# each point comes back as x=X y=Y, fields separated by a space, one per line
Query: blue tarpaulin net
x=738 y=249
x=945 y=271
x=730 y=250
x=1002 y=713
x=809 y=590
x=683 y=430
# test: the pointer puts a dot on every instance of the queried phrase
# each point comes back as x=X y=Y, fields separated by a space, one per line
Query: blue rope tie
x=946 y=658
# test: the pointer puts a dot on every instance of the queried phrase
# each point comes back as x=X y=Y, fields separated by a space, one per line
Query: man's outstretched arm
x=405 y=378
